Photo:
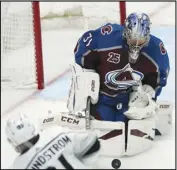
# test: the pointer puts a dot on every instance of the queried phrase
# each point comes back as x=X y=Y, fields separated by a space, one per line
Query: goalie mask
x=136 y=33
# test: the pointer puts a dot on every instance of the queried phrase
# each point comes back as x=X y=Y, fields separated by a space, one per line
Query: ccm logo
x=165 y=106
x=69 y=120
x=50 y=119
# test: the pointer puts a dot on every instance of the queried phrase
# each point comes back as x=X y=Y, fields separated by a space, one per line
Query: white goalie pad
x=111 y=134
x=163 y=120
x=85 y=83
x=140 y=136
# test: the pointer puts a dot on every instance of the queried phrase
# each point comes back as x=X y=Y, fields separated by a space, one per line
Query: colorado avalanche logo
x=123 y=78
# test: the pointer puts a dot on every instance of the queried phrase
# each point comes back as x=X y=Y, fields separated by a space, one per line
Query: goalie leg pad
x=140 y=136
x=163 y=119
x=111 y=136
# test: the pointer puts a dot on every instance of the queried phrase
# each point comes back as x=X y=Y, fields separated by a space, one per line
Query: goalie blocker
x=85 y=83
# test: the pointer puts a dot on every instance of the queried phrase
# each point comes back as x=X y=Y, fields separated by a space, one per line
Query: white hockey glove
x=87 y=147
x=85 y=83
x=84 y=150
x=141 y=104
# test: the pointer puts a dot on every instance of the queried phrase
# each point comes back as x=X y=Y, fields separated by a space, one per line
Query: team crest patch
x=123 y=78
x=106 y=30
x=162 y=48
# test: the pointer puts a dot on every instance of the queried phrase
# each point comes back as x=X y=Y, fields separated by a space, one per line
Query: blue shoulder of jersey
x=157 y=52
x=109 y=35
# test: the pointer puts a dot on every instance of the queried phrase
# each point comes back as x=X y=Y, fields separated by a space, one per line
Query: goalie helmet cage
x=21 y=26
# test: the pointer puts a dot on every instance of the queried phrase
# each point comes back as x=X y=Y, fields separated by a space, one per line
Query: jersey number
x=64 y=162
x=88 y=39
x=114 y=58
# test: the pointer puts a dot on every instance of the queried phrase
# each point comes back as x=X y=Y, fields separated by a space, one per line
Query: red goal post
x=38 y=45
x=122 y=6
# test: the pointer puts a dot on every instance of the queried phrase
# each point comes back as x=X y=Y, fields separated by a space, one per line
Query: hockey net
x=21 y=24
x=18 y=49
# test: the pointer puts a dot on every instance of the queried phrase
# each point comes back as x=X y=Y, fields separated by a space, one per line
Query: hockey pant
x=110 y=108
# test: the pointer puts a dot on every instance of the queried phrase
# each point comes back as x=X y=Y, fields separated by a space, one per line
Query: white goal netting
x=17 y=44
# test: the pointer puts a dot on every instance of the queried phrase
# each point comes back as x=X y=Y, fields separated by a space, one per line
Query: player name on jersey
x=48 y=151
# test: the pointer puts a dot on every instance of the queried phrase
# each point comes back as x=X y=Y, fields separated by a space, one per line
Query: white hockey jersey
x=56 y=149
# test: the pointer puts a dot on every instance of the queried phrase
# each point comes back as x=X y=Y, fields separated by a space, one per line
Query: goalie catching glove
x=141 y=104
x=85 y=83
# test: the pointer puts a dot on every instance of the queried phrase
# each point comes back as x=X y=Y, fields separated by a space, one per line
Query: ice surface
x=58 y=53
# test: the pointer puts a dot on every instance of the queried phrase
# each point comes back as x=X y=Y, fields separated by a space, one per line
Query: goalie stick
x=87 y=114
